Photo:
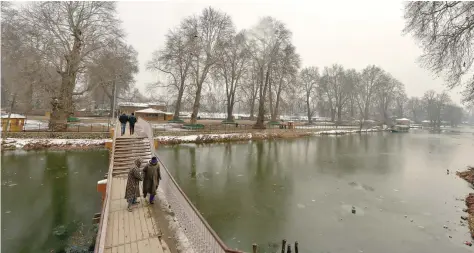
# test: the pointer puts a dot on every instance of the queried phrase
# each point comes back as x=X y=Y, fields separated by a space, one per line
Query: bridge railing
x=198 y=232
x=104 y=216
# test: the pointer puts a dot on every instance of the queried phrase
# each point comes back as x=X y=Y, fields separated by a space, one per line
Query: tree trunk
x=339 y=114
x=308 y=109
x=62 y=107
x=261 y=103
x=12 y=104
x=230 y=108
x=252 y=108
x=177 y=108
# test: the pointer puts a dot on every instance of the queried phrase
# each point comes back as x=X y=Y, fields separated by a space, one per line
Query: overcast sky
x=351 y=33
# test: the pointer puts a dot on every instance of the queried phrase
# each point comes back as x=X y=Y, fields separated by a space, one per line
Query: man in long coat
x=132 y=190
x=151 y=178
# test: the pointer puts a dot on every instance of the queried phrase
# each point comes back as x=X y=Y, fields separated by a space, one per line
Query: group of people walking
x=150 y=175
x=130 y=119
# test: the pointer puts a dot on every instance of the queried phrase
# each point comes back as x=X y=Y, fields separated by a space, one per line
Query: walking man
x=132 y=190
x=123 y=121
x=132 y=120
x=151 y=178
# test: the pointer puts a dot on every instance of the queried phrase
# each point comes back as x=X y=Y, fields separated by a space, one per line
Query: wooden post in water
x=296 y=247
x=254 y=248
x=283 y=244
x=289 y=249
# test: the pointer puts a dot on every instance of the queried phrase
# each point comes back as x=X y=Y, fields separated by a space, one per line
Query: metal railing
x=104 y=216
x=199 y=233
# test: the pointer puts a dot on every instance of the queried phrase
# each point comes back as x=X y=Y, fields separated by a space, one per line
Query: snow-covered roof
x=402 y=119
x=13 y=116
x=150 y=110
x=131 y=104
x=144 y=105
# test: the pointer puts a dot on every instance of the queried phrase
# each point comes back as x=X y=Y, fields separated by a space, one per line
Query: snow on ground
x=20 y=143
x=326 y=126
x=168 y=127
x=183 y=243
x=35 y=125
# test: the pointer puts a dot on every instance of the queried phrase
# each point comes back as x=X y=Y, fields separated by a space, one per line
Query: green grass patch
x=176 y=121
x=193 y=126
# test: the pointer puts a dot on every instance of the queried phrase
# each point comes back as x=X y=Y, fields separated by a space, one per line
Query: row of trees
x=58 y=54
x=62 y=54
x=205 y=58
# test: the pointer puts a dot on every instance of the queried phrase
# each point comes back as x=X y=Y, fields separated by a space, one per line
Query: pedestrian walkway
x=124 y=231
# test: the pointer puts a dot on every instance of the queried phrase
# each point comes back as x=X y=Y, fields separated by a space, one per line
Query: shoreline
x=171 y=139
x=468 y=175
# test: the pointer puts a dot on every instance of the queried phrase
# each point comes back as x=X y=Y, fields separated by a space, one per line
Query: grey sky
x=351 y=33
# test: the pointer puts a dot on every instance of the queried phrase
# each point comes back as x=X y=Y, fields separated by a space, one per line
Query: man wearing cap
x=151 y=178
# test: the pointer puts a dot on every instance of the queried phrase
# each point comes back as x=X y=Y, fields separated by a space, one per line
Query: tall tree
x=266 y=40
x=445 y=32
x=68 y=33
x=175 y=61
x=210 y=30
x=336 y=89
x=309 y=79
x=232 y=63
x=370 y=79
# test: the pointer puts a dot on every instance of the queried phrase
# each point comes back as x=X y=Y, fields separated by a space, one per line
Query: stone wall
x=56 y=135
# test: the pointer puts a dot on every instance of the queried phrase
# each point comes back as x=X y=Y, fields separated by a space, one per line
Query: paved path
x=136 y=231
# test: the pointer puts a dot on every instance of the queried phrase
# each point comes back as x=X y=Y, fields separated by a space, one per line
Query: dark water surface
x=49 y=198
x=304 y=190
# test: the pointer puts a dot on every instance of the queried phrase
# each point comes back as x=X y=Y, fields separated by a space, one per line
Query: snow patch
x=20 y=143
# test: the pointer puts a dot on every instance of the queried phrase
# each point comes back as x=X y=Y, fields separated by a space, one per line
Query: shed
x=403 y=121
x=151 y=114
x=16 y=124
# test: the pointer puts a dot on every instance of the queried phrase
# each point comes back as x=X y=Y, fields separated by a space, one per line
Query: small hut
x=17 y=122
x=403 y=121
x=151 y=114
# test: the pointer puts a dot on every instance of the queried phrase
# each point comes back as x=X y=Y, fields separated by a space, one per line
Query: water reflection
x=304 y=189
x=51 y=194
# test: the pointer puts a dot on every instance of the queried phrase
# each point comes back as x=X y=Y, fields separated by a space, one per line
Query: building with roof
x=151 y=114
x=15 y=123
x=129 y=107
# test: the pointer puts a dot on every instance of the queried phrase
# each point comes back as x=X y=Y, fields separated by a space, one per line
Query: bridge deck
x=136 y=231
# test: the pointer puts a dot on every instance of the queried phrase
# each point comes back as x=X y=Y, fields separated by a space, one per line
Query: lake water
x=49 y=199
x=304 y=189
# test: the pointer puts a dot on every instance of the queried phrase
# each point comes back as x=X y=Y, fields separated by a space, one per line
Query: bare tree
x=415 y=106
x=385 y=95
x=111 y=72
x=175 y=61
x=267 y=39
x=67 y=34
x=370 y=79
x=445 y=32
x=250 y=88
x=233 y=61
x=335 y=89
x=309 y=79
x=401 y=101
x=210 y=30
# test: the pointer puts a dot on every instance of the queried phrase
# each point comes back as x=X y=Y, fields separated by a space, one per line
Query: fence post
x=283 y=244
x=296 y=247
x=288 y=250
x=254 y=248
x=78 y=128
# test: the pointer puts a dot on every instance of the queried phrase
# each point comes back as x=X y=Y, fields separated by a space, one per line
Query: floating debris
x=353 y=210
x=464 y=217
x=445 y=227
x=8 y=211
x=468 y=243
